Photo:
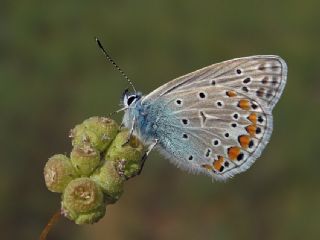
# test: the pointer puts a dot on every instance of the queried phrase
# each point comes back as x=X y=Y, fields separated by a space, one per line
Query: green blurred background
x=53 y=76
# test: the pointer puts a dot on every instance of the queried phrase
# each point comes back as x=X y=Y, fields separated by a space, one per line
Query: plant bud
x=96 y=131
x=85 y=159
x=82 y=201
x=109 y=180
x=127 y=156
x=58 y=172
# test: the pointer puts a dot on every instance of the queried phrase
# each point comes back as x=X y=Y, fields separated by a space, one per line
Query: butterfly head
x=129 y=99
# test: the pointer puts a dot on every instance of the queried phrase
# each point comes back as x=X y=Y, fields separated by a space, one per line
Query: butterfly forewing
x=263 y=77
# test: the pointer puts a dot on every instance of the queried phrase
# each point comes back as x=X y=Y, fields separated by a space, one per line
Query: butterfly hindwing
x=220 y=134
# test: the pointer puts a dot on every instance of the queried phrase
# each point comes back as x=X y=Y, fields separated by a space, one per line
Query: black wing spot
x=260 y=119
x=208 y=152
x=269 y=93
x=216 y=142
x=251 y=143
x=258 y=130
x=219 y=104
x=254 y=106
x=185 y=121
x=247 y=80
x=190 y=157
x=238 y=71
x=245 y=89
x=240 y=156
x=260 y=92
x=265 y=80
x=274 y=80
x=179 y=101
x=202 y=95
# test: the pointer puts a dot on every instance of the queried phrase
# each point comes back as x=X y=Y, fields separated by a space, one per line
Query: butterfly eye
x=131 y=99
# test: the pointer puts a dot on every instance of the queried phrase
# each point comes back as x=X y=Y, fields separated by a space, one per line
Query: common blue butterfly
x=216 y=120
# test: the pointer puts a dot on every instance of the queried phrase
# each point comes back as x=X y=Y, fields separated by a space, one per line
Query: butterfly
x=216 y=120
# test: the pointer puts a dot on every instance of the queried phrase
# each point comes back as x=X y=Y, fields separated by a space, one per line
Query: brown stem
x=53 y=220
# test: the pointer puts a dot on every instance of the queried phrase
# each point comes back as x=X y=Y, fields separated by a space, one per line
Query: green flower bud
x=82 y=201
x=58 y=172
x=128 y=156
x=109 y=180
x=100 y=162
x=85 y=159
x=96 y=131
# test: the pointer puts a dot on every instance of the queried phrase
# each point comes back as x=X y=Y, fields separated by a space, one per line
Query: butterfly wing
x=220 y=117
x=261 y=76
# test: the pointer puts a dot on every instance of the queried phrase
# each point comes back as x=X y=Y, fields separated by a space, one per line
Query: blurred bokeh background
x=53 y=76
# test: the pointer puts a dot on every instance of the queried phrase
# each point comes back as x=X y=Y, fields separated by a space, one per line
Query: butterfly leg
x=121 y=126
x=131 y=131
x=144 y=157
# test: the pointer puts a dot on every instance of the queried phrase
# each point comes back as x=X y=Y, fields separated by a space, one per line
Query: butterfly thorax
x=149 y=118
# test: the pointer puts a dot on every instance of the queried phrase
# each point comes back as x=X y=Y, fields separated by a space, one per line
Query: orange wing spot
x=251 y=129
x=233 y=152
x=217 y=164
x=244 y=104
x=231 y=93
x=207 y=166
x=253 y=118
x=244 y=141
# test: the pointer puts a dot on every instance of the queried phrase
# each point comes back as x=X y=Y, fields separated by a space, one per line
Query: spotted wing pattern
x=223 y=113
x=263 y=77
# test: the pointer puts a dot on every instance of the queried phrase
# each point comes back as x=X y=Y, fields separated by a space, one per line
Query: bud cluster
x=101 y=160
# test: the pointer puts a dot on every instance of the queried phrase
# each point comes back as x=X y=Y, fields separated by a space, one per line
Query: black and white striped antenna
x=114 y=64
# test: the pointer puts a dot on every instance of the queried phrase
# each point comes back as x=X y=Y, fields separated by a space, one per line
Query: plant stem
x=53 y=220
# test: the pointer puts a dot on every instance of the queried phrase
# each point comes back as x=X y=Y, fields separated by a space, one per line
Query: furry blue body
x=152 y=121
x=155 y=120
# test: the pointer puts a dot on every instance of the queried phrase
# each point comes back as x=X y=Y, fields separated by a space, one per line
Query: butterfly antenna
x=114 y=64
x=119 y=110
